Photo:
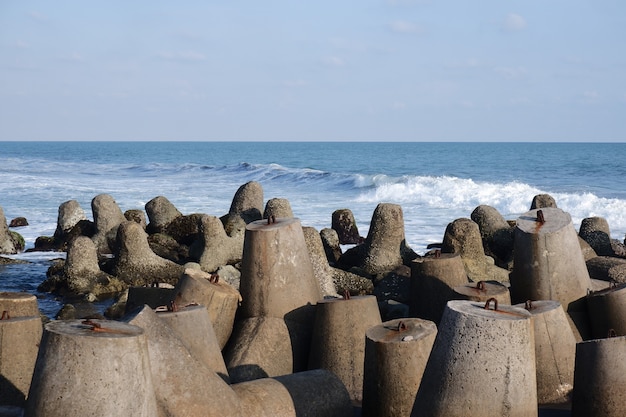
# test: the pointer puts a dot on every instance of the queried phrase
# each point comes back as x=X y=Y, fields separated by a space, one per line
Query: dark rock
x=18 y=222
x=344 y=224
x=600 y=266
x=185 y=229
x=542 y=201
x=137 y=216
x=595 y=231
x=167 y=247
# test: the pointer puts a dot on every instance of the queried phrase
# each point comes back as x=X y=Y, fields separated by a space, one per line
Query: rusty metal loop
x=214 y=278
x=611 y=333
x=401 y=326
x=480 y=285
x=495 y=304
x=528 y=305
x=155 y=284
x=5 y=315
x=172 y=306
x=346 y=294
x=438 y=253
x=540 y=217
x=271 y=219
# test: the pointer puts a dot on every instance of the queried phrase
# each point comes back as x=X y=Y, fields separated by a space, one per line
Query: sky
x=366 y=70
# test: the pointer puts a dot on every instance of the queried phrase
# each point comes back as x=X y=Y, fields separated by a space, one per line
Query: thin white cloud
x=514 y=23
x=406 y=27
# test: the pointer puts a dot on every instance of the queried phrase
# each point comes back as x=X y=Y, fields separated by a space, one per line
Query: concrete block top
x=554 y=219
x=489 y=310
x=94 y=328
x=271 y=224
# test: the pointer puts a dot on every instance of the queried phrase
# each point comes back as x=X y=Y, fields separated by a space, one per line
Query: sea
x=434 y=183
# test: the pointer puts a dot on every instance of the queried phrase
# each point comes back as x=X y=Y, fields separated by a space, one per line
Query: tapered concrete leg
x=183 y=385
x=316 y=393
x=396 y=353
x=193 y=327
x=338 y=342
x=555 y=350
x=277 y=276
x=607 y=311
x=433 y=280
x=483 y=291
x=600 y=378
x=219 y=298
x=548 y=261
x=19 y=345
x=19 y=304
x=482 y=364
x=85 y=370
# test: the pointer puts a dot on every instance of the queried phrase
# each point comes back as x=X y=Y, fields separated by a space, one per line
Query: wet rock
x=542 y=201
x=595 y=231
x=344 y=224
x=18 y=222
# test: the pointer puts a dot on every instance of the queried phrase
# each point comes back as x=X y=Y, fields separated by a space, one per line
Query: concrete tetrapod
x=549 y=264
x=193 y=327
x=600 y=378
x=483 y=291
x=338 y=341
x=482 y=364
x=607 y=311
x=219 y=298
x=183 y=385
x=19 y=304
x=277 y=278
x=396 y=353
x=315 y=393
x=555 y=350
x=267 y=347
x=19 y=345
x=433 y=280
x=94 y=368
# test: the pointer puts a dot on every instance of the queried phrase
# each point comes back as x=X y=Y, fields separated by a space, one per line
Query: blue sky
x=383 y=70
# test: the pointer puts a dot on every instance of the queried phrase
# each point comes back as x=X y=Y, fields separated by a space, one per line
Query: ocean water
x=435 y=183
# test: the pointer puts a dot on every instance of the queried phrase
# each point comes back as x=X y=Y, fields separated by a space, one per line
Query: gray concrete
x=607 y=311
x=83 y=372
x=555 y=350
x=549 y=264
x=193 y=327
x=338 y=342
x=18 y=304
x=183 y=385
x=482 y=364
x=19 y=345
x=219 y=298
x=483 y=291
x=396 y=353
x=433 y=280
x=277 y=276
x=600 y=378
